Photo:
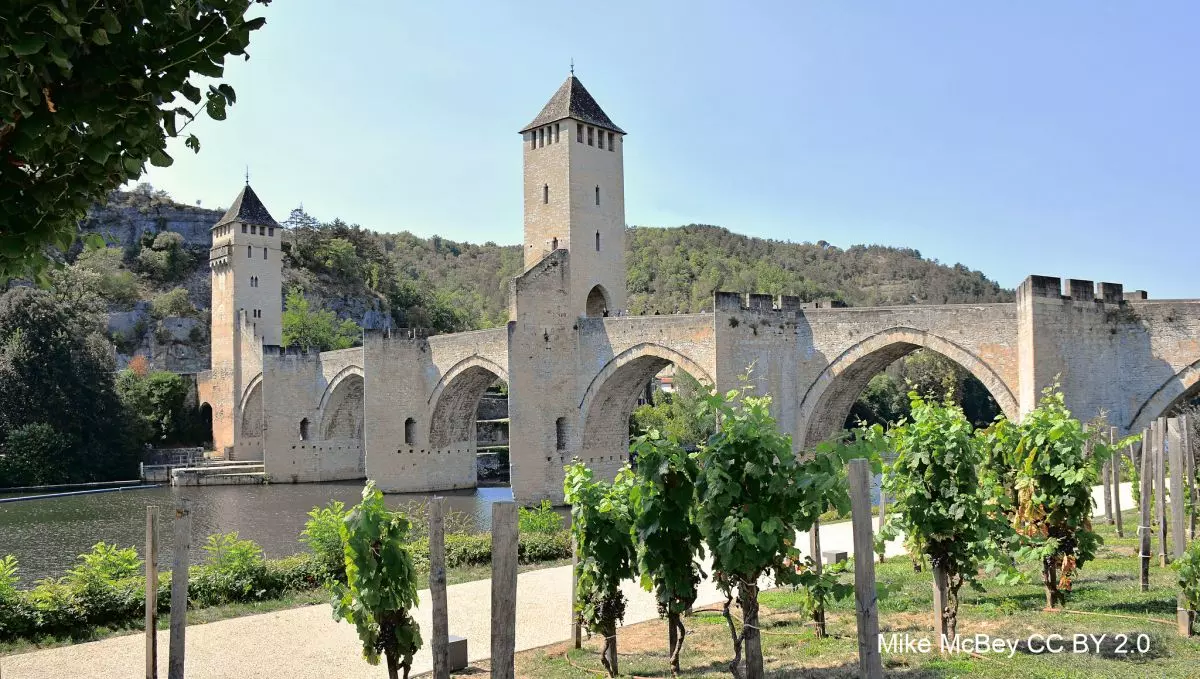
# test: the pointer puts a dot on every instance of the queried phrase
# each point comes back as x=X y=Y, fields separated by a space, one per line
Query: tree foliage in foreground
x=89 y=92
x=601 y=520
x=381 y=583
x=752 y=497
x=664 y=530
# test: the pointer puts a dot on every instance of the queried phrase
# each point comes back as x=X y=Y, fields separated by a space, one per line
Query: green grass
x=1106 y=599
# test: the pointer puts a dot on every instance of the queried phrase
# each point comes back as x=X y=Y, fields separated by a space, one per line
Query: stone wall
x=301 y=391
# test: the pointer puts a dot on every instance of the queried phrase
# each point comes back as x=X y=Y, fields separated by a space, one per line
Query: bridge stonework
x=402 y=408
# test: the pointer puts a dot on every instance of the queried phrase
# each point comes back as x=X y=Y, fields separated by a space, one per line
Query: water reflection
x=47 y=535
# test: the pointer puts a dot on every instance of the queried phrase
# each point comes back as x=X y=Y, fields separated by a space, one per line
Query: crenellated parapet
x=1071 y=289
x=753 y=301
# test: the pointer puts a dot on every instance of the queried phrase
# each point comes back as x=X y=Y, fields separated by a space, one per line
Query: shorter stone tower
x=247 y=311
x=575 y=196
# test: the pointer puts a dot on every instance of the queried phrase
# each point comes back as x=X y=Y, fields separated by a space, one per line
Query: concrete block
x=456 y=653
x=832 y=556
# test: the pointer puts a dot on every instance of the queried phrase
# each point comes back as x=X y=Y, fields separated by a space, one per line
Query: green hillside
x=450 y=286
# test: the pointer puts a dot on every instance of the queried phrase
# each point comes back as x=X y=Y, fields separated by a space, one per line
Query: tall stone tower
x=575 y=196
x=247 y=279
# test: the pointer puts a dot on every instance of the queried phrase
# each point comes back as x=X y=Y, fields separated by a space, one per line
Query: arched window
x=553 y=243
x=597 y=199
x=264 y=253
x=597 y=241
x=560 y=434
x=249 y=251
x=304 y=429
x=545 y=193
x=410 y=431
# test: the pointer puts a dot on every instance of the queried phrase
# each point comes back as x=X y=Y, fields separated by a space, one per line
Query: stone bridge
x=401 y=409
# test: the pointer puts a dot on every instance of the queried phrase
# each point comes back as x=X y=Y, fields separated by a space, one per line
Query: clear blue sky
x=1055 y=138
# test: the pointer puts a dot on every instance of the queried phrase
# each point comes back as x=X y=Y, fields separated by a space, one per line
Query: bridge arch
x=827 y=402
x=340 y=413
x=1183 y=385
x=456 y=398
x=613 y=392
x=250 y=409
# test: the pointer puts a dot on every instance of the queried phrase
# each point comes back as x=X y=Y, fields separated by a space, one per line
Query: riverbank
x=46 y=535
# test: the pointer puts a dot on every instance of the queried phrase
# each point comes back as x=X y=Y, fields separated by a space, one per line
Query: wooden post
x=504 y=589
x=870 y=665
x=1189 y=467
x=882 y=511
x=1106 y=481
x=151 y=592
x=179 y=589
x=1145 y=476
x=576 y=628
x=1183 y=619
x=1160 y=501
x=814 y=549
x=940 y=598
x=440 y=643
x=1114 y=437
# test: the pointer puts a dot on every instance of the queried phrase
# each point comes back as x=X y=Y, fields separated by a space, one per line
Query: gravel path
x=306 y=643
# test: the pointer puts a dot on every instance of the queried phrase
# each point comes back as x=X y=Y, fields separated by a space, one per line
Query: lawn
x=1106 y=599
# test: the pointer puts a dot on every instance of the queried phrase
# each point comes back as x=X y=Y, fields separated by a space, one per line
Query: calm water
x=47 y=535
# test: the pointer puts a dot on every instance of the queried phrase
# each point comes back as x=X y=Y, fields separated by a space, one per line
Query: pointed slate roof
x=572 y=100
x=248 y=209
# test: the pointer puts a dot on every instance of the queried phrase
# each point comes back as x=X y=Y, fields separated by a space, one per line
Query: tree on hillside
x=60 y=417
x=319 y=330
x=90 y=92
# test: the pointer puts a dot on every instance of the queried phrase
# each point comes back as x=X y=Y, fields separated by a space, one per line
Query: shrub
x=1188 y=579
x=34 y=454
x=16 y=615
x=537 y=547
x=322 y=536
x=541 y=519
x=165 y=259
x=296 y=573
x=236 y=571
x=174 y=302
x=104 y=587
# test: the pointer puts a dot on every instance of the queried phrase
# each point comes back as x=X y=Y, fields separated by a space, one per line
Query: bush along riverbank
x=105 y=591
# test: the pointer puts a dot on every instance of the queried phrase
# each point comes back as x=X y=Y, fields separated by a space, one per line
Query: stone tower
x=247 y=278
x=575 y=196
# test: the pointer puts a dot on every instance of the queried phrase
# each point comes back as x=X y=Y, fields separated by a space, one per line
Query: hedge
x=87 y=598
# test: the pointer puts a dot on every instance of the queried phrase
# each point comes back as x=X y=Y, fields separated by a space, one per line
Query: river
x=47 y=535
